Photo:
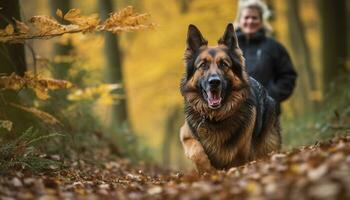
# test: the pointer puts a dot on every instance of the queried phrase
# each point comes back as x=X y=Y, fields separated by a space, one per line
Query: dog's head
x=213 y=73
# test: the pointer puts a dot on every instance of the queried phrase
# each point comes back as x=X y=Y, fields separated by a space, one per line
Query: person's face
x=250 y=21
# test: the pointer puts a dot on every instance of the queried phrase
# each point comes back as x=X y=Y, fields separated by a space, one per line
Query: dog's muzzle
x=212 y=91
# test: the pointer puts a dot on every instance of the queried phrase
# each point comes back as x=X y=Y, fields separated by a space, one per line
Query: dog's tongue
x=214 y=98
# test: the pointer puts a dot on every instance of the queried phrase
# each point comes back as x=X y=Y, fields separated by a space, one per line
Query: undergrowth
x=331 y=118
x=23 y=152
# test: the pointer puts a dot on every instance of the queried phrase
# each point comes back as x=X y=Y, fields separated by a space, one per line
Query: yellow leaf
x=22 y=27
x=46 y=25
x=253 y=188
x=41 y=93
x=6 y=125
x=71 y=14
x=44 y=116
x=9 y=29
x=41 y=86
x=59 y=13
x=103 y=94
x=58 y=84
x=12 y=82
x=126 y=20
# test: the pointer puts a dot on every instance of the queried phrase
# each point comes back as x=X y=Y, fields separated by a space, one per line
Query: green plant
x=23 y=152
x=331 y=119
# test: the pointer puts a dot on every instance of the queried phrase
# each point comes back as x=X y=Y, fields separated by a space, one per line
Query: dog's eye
x=203 y=65
x=223 y=64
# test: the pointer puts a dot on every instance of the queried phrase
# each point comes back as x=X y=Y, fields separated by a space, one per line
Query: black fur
x=245 y=127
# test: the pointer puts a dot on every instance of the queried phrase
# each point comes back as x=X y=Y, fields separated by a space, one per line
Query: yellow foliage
x=44 y=116
x=102 y=93
x=126 y=20
x=46 y=27
x=72 y=14
x=38 y=84
x=22 y=27
x=59 y=13
x=154 y=60
x=87 y=23
x=9 y=29
x=12 y=82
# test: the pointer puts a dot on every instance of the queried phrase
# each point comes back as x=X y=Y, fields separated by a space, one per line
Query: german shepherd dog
x=229 y=118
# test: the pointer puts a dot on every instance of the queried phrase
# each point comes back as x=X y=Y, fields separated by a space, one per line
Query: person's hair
x=260 y=6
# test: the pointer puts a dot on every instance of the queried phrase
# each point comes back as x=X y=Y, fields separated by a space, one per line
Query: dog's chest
x=219 y=143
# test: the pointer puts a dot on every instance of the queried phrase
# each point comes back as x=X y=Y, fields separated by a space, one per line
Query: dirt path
x=321 y=171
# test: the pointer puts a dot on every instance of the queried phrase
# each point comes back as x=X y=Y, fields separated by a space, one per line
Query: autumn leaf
x=72 y=14
x=44 y=116
x=102 y=94
x=12 y=82
x=40 y=92
x=39 y=85
x=86 y=23
x=9 y=29
x=126 y=20
x=53 y=84
x=46 y=25
x=22 y=27
x=261 y=179
x=59 y=13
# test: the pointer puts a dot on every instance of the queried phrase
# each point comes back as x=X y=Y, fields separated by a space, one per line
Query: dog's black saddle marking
x=260 y=100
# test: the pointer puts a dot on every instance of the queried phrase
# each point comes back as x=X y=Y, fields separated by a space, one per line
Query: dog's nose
x=214 y=81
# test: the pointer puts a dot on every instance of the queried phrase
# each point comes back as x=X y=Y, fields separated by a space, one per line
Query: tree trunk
x=347 y=35
x=12 y=56
x=334 y=38
x=60 y=68
x=114 y=69
x=301 y=50
x=170 y=131
x=171 y=144
x=12 y=60
x=184 y=6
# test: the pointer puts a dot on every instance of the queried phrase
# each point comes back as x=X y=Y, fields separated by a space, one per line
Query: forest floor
x=320 y=171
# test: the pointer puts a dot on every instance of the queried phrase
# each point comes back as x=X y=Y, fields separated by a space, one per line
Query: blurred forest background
x=126 y=93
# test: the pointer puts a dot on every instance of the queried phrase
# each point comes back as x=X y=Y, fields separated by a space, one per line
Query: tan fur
x=194 y=150
x=222 y=138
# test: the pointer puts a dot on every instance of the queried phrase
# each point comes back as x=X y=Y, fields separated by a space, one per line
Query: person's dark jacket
x=268 y=62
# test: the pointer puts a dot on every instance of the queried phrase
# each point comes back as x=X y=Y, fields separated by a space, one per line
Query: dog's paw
x=202 y=162
x=205 y=168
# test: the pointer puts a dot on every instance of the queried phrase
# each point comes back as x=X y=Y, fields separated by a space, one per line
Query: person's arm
x=284 y=80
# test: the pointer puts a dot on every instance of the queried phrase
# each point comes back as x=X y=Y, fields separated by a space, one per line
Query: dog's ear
x=194 y=38
x=229 y=38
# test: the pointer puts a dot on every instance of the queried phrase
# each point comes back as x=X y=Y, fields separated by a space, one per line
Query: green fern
x=22 y=152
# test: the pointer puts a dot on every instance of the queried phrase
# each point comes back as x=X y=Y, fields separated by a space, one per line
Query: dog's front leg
x=194 y=150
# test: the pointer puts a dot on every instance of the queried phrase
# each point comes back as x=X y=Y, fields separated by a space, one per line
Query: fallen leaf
x=154 y=190
x=315 y=174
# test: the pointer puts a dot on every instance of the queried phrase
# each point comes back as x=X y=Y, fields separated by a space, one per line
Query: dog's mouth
x=213 y=98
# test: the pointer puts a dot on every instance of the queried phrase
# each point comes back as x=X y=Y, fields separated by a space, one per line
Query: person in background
x=266 y=60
